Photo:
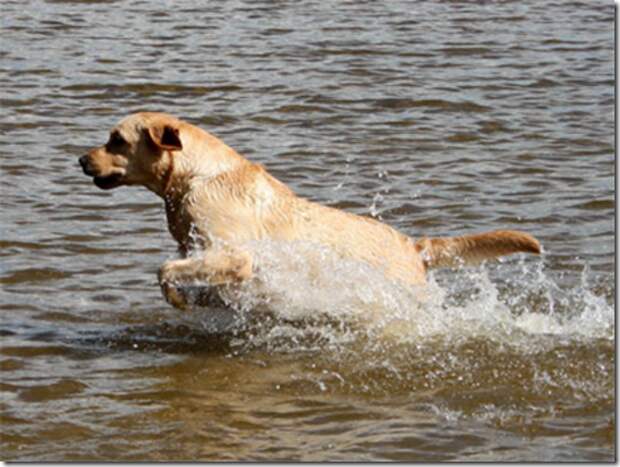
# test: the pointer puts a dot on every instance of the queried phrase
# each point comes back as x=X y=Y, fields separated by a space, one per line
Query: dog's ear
x=165 y=137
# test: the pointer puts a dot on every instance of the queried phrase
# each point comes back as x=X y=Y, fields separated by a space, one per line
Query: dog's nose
x=84 y=162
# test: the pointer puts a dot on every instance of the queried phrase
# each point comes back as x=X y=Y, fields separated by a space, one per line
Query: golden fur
x=218 y=201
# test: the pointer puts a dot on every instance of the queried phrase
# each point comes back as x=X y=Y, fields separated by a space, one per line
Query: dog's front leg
x=215 y=267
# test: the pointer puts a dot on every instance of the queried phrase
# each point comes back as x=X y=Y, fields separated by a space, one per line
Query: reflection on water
x=440 y=119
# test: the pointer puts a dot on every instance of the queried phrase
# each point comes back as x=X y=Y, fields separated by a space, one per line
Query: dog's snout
x=85 y=163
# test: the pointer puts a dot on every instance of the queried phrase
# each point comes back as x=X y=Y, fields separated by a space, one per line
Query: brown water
x=438 y=117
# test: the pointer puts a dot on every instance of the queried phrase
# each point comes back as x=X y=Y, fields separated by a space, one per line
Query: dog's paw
x=174 y=295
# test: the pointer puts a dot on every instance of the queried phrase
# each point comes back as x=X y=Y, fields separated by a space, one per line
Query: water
x=439 y=118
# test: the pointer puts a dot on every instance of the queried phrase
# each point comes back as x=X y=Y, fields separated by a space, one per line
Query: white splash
x=308 y=291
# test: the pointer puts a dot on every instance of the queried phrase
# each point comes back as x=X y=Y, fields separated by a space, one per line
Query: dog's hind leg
x=214 y=267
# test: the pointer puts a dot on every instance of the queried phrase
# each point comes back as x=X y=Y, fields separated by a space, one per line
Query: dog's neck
x=179 y=171
x=178 y=175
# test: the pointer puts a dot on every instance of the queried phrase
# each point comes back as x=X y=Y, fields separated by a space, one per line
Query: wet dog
x=217 y=202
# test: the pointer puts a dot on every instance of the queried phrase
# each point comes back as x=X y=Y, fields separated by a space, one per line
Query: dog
x=217 y=201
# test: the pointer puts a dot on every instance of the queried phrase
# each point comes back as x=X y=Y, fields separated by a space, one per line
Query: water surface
x=440 y=118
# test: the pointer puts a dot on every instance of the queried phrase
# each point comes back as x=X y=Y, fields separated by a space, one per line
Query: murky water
x=438 y=117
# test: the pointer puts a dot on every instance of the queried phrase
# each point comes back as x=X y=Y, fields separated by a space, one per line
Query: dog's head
x=133 y=153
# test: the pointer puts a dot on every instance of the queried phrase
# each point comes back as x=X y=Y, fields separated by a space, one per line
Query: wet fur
x=217 y=201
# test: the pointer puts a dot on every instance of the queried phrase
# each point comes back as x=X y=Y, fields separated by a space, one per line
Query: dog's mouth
x=108 y=182
x=105 y=182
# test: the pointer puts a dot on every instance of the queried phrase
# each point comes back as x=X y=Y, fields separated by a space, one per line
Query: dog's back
x=247 y=203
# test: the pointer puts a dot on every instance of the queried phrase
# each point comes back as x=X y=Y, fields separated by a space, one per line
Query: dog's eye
x=116 y=141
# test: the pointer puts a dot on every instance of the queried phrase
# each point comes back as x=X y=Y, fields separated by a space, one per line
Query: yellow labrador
x=218 y=201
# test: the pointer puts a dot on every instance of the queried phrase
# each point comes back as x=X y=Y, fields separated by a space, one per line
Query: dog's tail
x=471 y=249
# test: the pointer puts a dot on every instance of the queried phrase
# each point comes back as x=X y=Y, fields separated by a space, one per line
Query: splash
x=305 y=294
x=495 y=343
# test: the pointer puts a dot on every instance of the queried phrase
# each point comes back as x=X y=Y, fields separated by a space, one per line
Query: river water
x=439 y=118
